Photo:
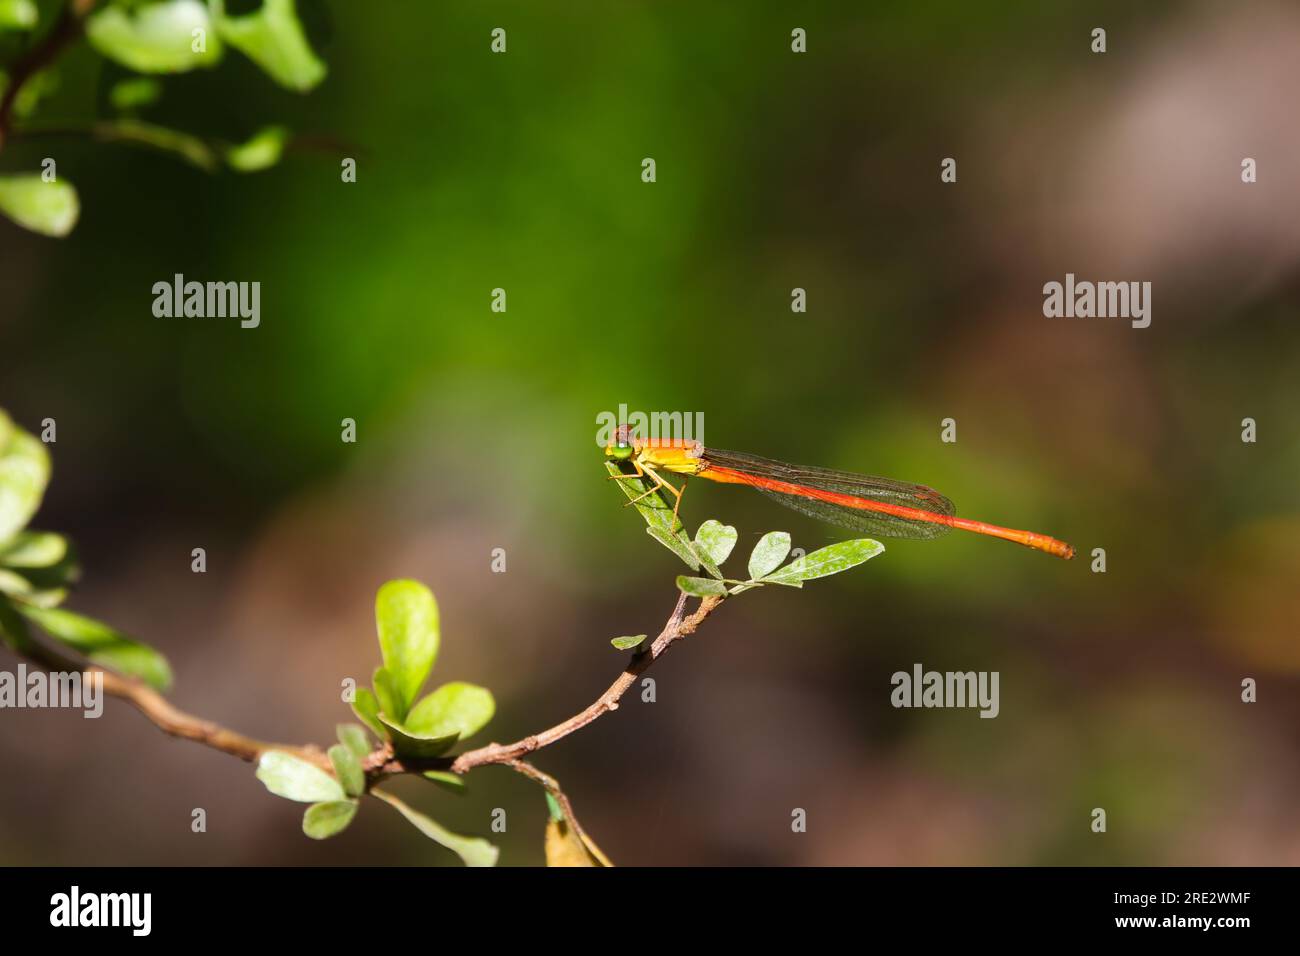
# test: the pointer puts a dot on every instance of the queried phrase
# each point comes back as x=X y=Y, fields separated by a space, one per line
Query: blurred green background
x=475 y=429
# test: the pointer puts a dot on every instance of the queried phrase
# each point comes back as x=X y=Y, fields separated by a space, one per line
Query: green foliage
x=332 y=808
x=33 y=549
x=183 y=146
x=295 y=779
x=414 y=744
x=701 y=587
x=661 y=523
x=771 y=550
x=50 y=208
x=273 y=38
x=157 y=37
x=24 y=473
x=447 y=780
x=627 y=643
x=38 y=87
x=13 y=630
x=390 y=701
x=406 y=617
x=366 y=707
x=456 y=709
x=176 y=36
x=17 y=15
x=434 y=725
x=324 y=820
x=474 y=851
x=37 y=567
x=134 y=92
x=354 y=738
x=407 y=622
x=101 y=644
x=347 y=767
x=262 y=151
x=716 y=540
x=826 y=561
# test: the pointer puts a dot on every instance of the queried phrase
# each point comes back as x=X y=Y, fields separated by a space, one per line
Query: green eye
x=619 y=452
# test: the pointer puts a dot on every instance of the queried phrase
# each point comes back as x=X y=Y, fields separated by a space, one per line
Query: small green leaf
x=353 y=736
x=474 y=851
x=14 y=585
x=829 y=560
x=768 y=554
x=13 y=629
x=157 y=37
x=261 y=151
x=183 y=146
x=661 y=523
x=347 y=767
x=102 y=644
x=17 y=14
x=406 y=616
x=447 y=780
x=456 y=708
x=408 y=744
x=700 y=587
x=24 y=473
x=20 y=586
x=324 y=820
x=39 y=86
x=48 y=599
x=33 y=549
x=50 y=209
x=56 y=577
x=295 y=779
x=134 y=92
x=390 y=703
x=273 y=38
x=553 y=808
x=627 y=643
x=366 y=706
x=716 y=540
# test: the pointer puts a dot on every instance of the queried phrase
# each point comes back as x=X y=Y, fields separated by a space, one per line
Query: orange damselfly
x=895 y=509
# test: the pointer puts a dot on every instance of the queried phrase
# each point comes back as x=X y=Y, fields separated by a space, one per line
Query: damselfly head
x=622 y=446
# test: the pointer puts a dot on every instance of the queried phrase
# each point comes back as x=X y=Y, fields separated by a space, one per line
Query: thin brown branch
x=384 y=762
x=167 y=717
x=65 y=30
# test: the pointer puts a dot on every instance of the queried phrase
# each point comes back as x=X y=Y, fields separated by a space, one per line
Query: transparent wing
x=864 y=487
